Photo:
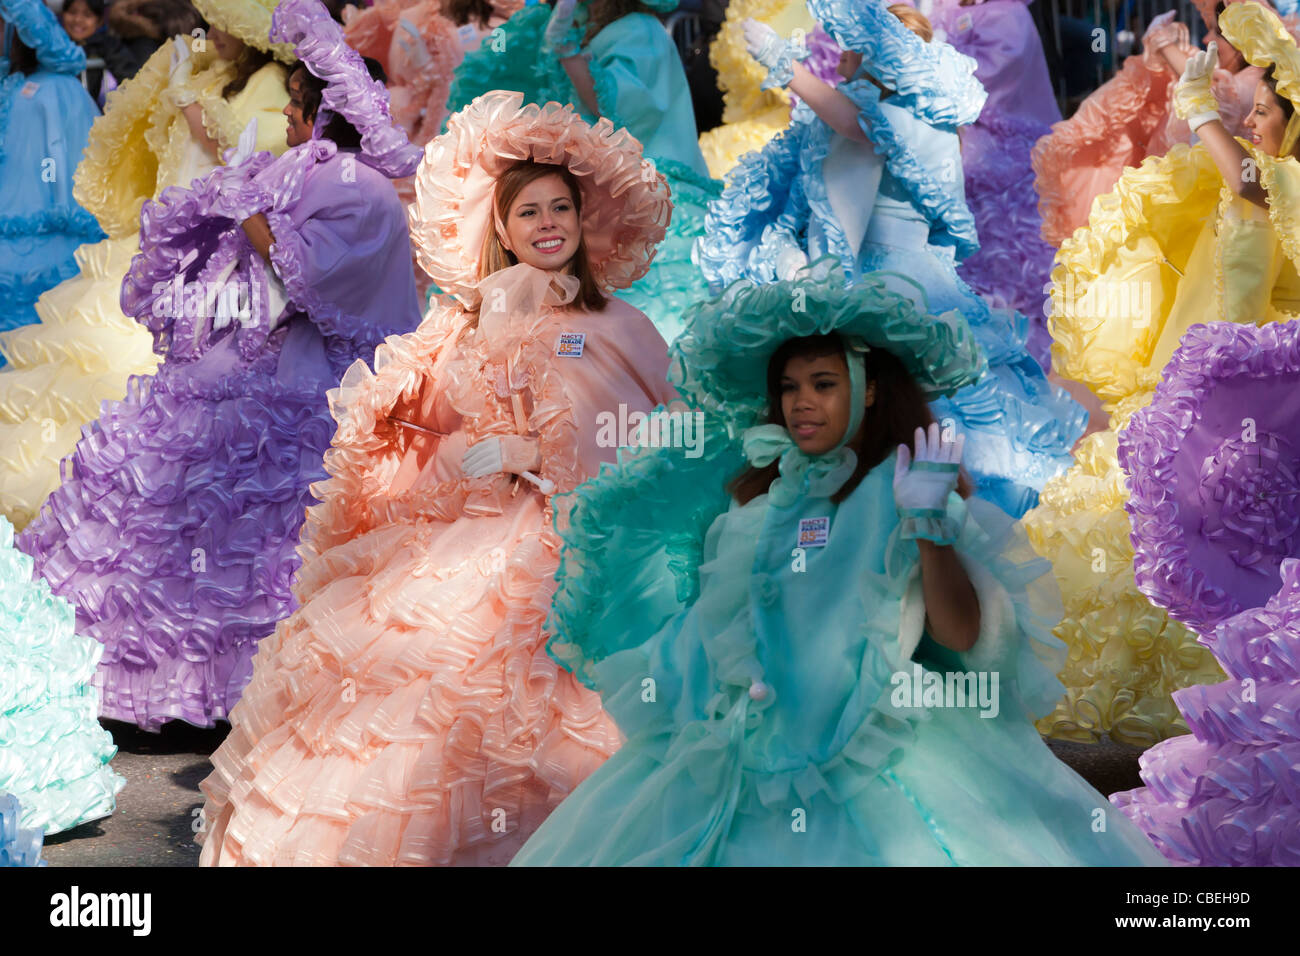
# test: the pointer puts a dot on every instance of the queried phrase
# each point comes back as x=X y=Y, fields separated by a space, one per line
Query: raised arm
x=1194 y=101
x=921 y=492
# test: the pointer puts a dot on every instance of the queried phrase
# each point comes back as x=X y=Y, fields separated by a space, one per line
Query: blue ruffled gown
x=641 y=87
x=809 y=191
x=45 y=119
x=18 y=846
x=766 y=723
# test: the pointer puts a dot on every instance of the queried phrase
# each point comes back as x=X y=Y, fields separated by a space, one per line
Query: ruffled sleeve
x=119 y=170
x=763 y=206
x=1082 y=157
x=932 y=80
x=903 y=140
x=1281 y=180
x=420 y=99
x=1140 y=236
x=347 y=224
x=633 y=545
x=634 y=68
x=1019 y=602
x=41 y=31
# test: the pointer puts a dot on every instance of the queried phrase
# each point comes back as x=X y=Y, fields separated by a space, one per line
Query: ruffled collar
x=817 y=476
x=511 y=300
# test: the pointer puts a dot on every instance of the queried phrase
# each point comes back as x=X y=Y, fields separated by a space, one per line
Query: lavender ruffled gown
x=174 y=531
x=1214 y=473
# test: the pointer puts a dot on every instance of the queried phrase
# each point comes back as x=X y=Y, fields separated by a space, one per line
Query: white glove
x=515 y=454
x=1193 y=97
x=558 y=28
x=771 y=51
x=483 y=459
x=247 y=145
x=922 y=486
x=413 y=45
x=1157 y=23
x=182 y=67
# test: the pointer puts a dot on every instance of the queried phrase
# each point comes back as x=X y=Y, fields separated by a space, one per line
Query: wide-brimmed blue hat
x=721 y=359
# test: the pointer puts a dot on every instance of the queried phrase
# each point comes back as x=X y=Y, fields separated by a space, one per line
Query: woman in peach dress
x=408 y=713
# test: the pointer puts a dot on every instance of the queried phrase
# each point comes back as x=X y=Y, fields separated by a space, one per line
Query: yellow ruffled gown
x=750 y=116
x=1170 y=247
x=84 y=349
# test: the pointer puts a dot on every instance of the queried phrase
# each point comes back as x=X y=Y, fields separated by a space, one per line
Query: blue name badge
x=814 y=532
x=571 y=344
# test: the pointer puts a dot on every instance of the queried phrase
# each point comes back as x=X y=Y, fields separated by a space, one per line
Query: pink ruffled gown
x=408 y=712
x=1124 y=121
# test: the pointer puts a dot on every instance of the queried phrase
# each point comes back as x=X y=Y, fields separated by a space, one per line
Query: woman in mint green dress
x=613 y=59
x=54 y=755
x=819 y=652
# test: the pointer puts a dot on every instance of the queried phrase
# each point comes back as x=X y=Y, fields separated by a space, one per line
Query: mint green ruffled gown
x=640 y=86
x=760 y=707
x=53 y=753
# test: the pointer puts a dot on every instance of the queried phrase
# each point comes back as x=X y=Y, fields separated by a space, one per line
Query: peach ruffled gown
x=408 y=712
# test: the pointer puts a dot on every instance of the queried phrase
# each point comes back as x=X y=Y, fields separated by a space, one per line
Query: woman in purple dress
x=174 y=531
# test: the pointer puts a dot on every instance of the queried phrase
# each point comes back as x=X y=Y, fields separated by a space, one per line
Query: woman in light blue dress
x=870 y=171
x=622 y=67
x=819 y=653
x=45 y=118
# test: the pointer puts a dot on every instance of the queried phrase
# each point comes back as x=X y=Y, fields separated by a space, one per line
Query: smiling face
x=227 y=47
x=79 y=21
x=815 y=401
x=542 y=225
x=1267 y=120
x=300 y=129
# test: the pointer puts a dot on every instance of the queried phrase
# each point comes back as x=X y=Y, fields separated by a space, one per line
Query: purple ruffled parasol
x=1214 y=472
x=1215 y=504
x=320 y=44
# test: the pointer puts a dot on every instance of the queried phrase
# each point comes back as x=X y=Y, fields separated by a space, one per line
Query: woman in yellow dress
x=752 y=115
x=1207 y=232
x=168 y=125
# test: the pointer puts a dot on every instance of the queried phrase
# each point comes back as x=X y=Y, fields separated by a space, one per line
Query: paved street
x=153 y=825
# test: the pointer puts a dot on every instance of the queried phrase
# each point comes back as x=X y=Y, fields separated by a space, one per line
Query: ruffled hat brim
x=1264 y=40
x=721 y=358
x=625 y=202
x=249 y=20
x=323 y=49
x=1213 y=465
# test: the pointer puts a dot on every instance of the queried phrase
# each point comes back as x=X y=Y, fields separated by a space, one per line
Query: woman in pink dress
x=1130 y=118
x=408 y=713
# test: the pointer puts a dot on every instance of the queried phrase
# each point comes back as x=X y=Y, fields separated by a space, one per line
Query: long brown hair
x=891 y=420
x=601 y=13
x=461 y=12
x=249 y=61
x=494 y=256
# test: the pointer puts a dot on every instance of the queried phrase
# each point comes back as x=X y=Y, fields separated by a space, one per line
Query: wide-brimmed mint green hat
x=721 y=359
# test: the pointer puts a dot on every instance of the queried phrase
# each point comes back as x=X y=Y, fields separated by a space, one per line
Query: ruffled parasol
x=1214 y=472
x=249 y=20
x=319 y=42
x=625 y=202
